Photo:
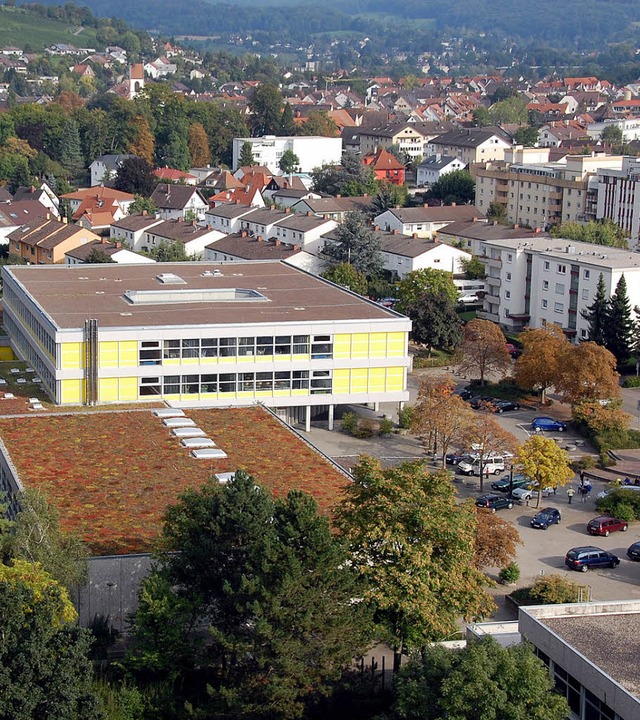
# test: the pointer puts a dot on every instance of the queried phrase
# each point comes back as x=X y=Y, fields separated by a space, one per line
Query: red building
x=386 y=166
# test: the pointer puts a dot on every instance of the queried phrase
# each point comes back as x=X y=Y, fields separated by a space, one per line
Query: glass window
x=585 y=294
x=300 y=344
x=264 y=381
x=246 y=382
x=209 y=384
x=562 y=269
x=150 y=386
x=587 y=274
x=191 y=348
x=246 y=346
x=545 y=284
x=191 y=384
x=228 y=347
x=283 y=345
x=150 y=353
x=558 y=307
x=171 y=385
x=209 y=347
x=546 y=265
x=545 y=303
x=560 y=288
x=300 y=379
x=282 y=381
x=227 y=383
x=264 y=346
x=171 y=349
x=321 y=382
x=322 y=347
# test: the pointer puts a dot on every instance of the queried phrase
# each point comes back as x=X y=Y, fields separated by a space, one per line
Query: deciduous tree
x=455 y=187
x=288 y=162
x=135 y=176
x=469 y=684
x=597 y=232
x=427 y=280
x=346 y=275
x=413 y=545
x=539 y=365
x=198 y=144
x=496 y=540
x=265 y=104
x=435 y=321
x=587 y=372
x=356 y=244
x=488 y=437
x=442 y=418
x=319 y=123
x=483 y=349
x=143 y=143
x=545 y=462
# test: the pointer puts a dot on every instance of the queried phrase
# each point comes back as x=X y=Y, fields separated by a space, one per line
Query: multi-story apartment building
x=411 y=137
x=537 y=193
x=551 y=280
x=312 y=152
x=199 y=334
x=470 y=145
x=619 y=197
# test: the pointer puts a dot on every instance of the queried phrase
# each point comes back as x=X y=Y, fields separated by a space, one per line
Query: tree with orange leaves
x=143 y=143
x=539 y=365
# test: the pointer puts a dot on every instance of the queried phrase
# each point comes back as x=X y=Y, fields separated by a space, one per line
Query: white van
x=491 y=465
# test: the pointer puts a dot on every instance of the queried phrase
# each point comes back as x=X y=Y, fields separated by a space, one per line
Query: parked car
x=604 y=525
x=546 y=516
x=514 y=351
x=583 y=558
x=608 y=491
x=633 y=551
x=491 y=465
x=494 y=502
x=504 y=484
x=454 y=458
x=526 y=492
x=485 y=402
x=501 y=406
x=549 y=424
x=465 y=393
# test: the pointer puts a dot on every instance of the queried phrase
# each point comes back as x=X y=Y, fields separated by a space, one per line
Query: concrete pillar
x=307 y=418
x=331 y=410
x=376 y=407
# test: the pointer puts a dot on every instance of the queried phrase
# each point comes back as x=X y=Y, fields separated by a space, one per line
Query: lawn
x=19 y=28
x=112 y=475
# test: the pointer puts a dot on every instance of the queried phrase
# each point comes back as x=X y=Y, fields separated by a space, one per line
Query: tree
x=288 y=162
x=469 y=684
x=97 y=256
x=351 y=178
x=135 y=176
x=287 y=122
x=473 y=268
x=488 y=438
x=554 y=590
x=71 y=150
x=435 y=321
x=413 y=546
x=356 y=244
x=319 y=123
x=539 y=365
x=545 y=462
x=141 y=205
x=265 y=105
x=346 y=275
x=442 y=418
x=388 y=196
x=527 y=136
x=274 y=586
x=510 y=110
x=497 y=212
x=496 y=540
x=44 y=666
x=246 y=155
x=455 y=187
x=596 y=314
x=483 y=349
x=595 y=232
x=587 y=373
x=417 y=283
x=598 y=419
x=612 y=134
x=143 y=144
x=169 y=252
x=618 y=331
x=37 y=538
x=198 y=144
x=174 y=153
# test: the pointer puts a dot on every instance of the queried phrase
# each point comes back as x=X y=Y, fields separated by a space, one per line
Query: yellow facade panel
x=378 y=345
x=128 y=389
x=108 y=390
x=359 y=378
x=395 y=379
x=397 y=344
x=108 y=354
x=71 y=392
x=129 y=354
x=360 y=345
x=342 y=347
x=377 y=380
x=71 y=355
x=341 y=381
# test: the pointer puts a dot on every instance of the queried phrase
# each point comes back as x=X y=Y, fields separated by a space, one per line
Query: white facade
x=226 y=218
x=312 y=152
x=429 y=173
x=132 y=237
x=433 y=255
x=619 y=198
x=547 y=280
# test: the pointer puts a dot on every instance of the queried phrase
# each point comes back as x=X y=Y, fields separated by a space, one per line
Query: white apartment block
x=537 y=193
x=619 y=198
x=312 y=152
x=551 y=280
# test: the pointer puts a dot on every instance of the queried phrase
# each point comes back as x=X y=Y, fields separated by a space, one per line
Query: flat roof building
x=204 y=334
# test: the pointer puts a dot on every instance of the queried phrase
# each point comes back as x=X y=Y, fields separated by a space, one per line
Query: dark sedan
x=547 y=516
x=633 y=552
x=501 y=406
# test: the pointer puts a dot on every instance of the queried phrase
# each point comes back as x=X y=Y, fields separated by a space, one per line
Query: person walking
x=570 y=494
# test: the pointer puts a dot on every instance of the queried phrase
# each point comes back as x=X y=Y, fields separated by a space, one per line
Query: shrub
x=386 y=426
x=632 y=381
x=349 y=423
x=584 y=463
x=405 y=415
x=363 y=430
x=623 y=504
x=606 y=460
x=552 y=590
x=510 y=573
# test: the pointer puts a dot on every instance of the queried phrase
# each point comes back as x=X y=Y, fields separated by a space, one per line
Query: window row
x=153 y=352
x=316 y=381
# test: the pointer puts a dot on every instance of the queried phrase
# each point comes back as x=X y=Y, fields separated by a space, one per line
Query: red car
x=604 y=524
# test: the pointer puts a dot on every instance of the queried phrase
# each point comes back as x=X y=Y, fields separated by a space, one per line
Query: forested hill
x=573 y=24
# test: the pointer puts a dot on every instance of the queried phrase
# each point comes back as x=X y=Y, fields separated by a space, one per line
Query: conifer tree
x=618 y=331
x=596 y=314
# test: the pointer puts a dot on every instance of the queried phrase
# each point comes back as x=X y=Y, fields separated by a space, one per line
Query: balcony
x=494 y=281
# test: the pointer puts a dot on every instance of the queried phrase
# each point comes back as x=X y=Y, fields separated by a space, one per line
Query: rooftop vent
x=175 y=422
x=225 y=477
x=170 y=279
x=209 y=454
x=168 y=412
x=188 y=432
x=197 y=442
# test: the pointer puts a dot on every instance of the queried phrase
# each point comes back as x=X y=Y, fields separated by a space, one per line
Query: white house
x=130 y=229
x=434 y=167
x=105 y=168
x=312 y=152
x=226 y=218
x=470 y=145
x=552 y=280
x=424 y=221
x=194 y=237
x=619 y=197
x=405 y=253
x=115 y=251
x=178 y=201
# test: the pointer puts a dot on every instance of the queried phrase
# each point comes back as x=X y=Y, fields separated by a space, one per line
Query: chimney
x=48 y=216
x=376 y=228
x=425 y=204
x=180 y=219
x=104 y=241
x=287 y=210
x=414 y=236
x=296 y=248
x=119 y=245
x=260 y=238
x=309 y=213
x=537 y=230
x=277 y=243
x=244 y=233
x=144 y=213
x=453 y=204
x=394 y=231
x=516 y=226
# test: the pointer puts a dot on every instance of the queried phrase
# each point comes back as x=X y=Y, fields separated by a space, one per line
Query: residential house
x=312 y=152
x=105 y=168
x=226 y=218
x=168 y=174
x=470 y=145
x=287 y=197
x=15 y=214
x=178 y=201
x=554 y=133
x=304 y=230
x=411 y=138
x=333 y=208
x=90 y=197
x=386 y=166
x=470 y=234
x=249 y=195
x=546 y=280
x=161 y=67
x=432 y=168
x=43 y=194
x=115 y=251
x=424 y=221
x=44 y=241
x=193 y=236
x=130 y=229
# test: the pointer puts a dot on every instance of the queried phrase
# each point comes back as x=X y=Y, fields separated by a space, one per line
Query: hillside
x=19 y=28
